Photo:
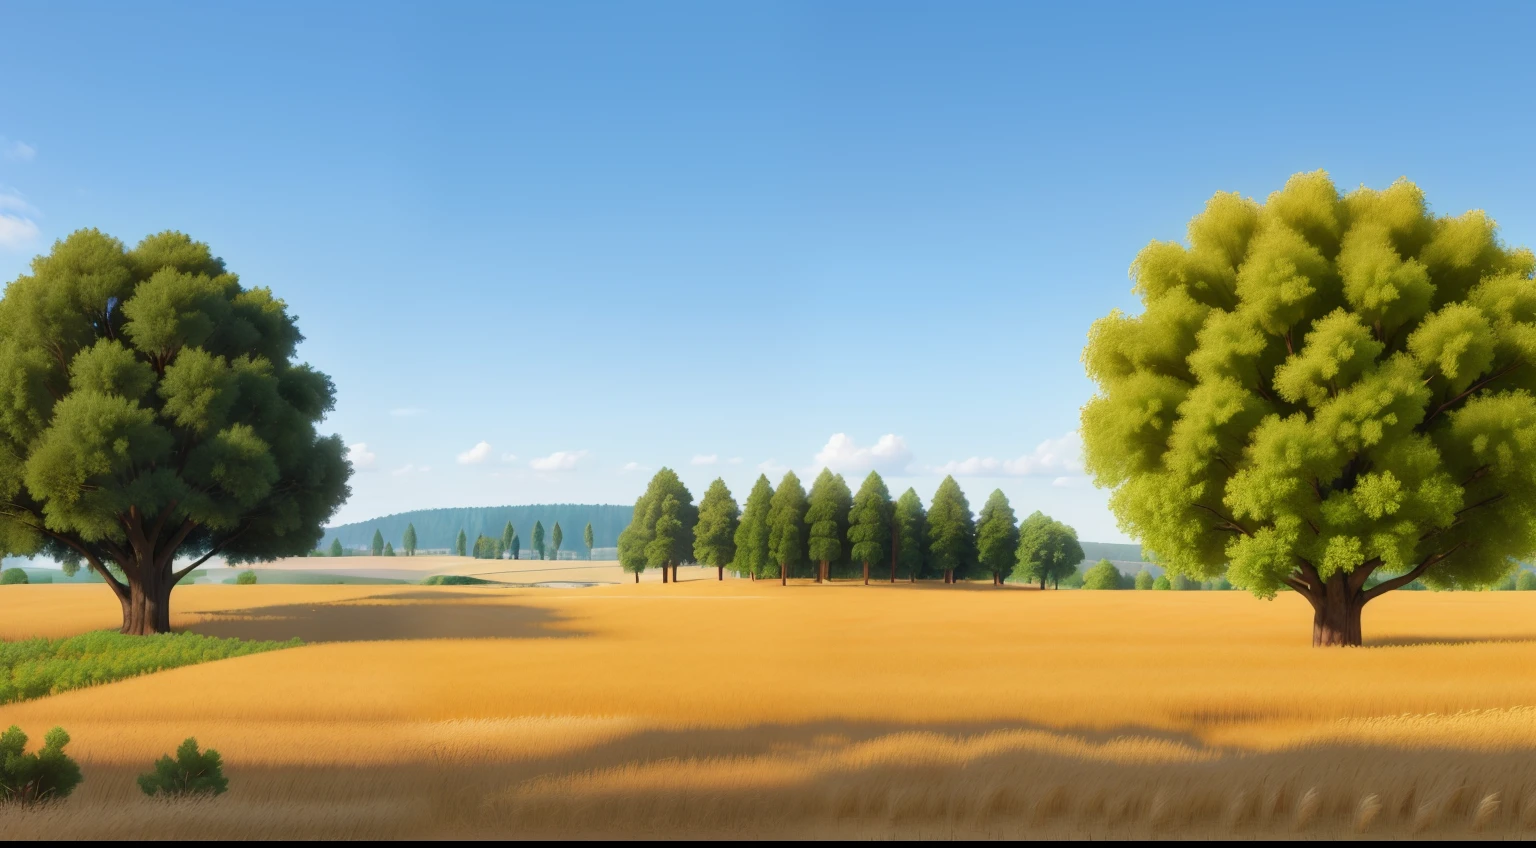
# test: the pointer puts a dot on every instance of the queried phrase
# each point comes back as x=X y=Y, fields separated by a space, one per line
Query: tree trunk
x=1336 y=615
x=663 y=573
x=1042 y=584
x=949 y=575
x=637 y=577
x=866 y=572
x=821 y=568
x=721 y=576
x=147 y=606
x=783 y=574
x=894 y=540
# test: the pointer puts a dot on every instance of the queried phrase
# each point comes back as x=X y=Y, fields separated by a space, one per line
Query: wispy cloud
x=558 y=461
x=509 y=458
x=476 y=455
x=1070 y=482
x=1050 y=458
x=17 y=151
x=705 y=459
x=406 y=411
x=889 y=453
x=360 y=457
x=410 y=468
x=631 y=467
x=18 y=230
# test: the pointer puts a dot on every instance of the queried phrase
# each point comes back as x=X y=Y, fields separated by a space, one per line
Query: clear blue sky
x=645 y=233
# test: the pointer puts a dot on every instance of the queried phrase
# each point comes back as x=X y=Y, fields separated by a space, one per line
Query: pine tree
x=460 y=546
x=826 y=520
x=869 y=524
x=752 y=557
x=909 y=528
x=586 y=538
x=951 y=532
x=336 y=550
x=378 y=544
x=538 y=539
x=714 y=539
x=997 y=537
x=556 y=537
x=389 y=549
x=516 y=547
x=409 y=540
x=507 y=533
x=786 y=526
x=635 y=541
x=660 y=550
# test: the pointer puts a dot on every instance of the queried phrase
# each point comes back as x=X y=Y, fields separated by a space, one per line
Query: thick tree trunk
x=821 y=568
x=147 y=607
x=783 y=574
x=721 y=576
x=663 y=573
x=1336 y=615
x=866 y=572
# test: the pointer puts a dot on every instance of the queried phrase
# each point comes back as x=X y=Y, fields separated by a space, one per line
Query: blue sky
x=604 y=236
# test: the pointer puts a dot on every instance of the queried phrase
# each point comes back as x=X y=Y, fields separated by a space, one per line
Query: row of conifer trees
x=832 y=532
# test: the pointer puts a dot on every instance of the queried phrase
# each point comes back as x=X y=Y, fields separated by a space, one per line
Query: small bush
x=454 y=580
x=1526 y=582
x=1144 y=579
x=12 y=576
x=246 y=578
x=191 y=773
x=1162 y=583
x=47 y=775
x=1104 y=575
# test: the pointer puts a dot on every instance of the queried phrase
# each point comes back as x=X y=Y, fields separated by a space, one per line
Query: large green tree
x=586 y=539
x=151 y=409
x=1048 y=551
x=1319 y=389
x=752 y=556
x=635 y=542
x=951 y=532
x=714 y=541
x=997 y=537
x=408 y=541
x=377 y=548
x=869 y=525
x=826 y=518
x=786 y=526
x=538 y=539
x=910 y=523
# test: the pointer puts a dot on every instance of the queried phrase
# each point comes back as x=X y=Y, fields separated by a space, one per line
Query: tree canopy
x=635 y=549
x=1048 y=550
x=911 y=522
x=869 y=524
x=538 y=539
x=786 y=526
x=586 y=538
x=1320 y=388
x=826 y=518
x=556 y=538
x=714 y=541
x=997 y=537
x=408 y=541
x=508 y=533
x=951 y=532
x=1103 y=575
x=752 y=556
x=377 y=548
x=153 y=409
x=460 y=545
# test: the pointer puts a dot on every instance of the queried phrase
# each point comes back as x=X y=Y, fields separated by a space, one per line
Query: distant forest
x=438 y=528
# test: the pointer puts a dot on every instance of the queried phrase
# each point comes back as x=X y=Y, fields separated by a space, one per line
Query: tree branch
x=1227 y=521
x=176 y=576
x=1386 y=586
x=1475 y=386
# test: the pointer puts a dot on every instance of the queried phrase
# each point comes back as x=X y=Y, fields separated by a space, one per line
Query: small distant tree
x=869 y=525
x=1144 y=579
x=714 y=539
x=909 y=528
x=507 y=533
x=192 y=773
x=336 y=549
x=389 y=549
x=997 y=537
x=786 y=526
x=13 y=577
x=516 y=548
x=752 y=557
x=1182 y=583
x=486 y=548
x=501 y=549
x=1162 y=583
x=1103 y=575
x=409 y=541
x=1048 y=550
x=377 y=549
x=586 y=539
x=556 y=537
x=246 y=578
x=951 y=532
x=538 y=539
x=826 y=519
x=461 y=544
x=1526 y=582
x=46 y=775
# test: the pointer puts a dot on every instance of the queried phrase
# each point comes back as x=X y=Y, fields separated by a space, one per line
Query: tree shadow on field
x=447 y=616
x=1426 y=641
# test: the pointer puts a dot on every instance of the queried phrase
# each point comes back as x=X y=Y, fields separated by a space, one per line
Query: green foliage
x=486 y=548
x=556 y=537
x=1182 y=583
x=1526 y=582
x=192 y=773
x=48 y=774
x=664 y=535
x=12 y=577
x=377 y=548
x=586 y=538
x=951 y=531
x=826 y=518
x=246 y=578
x=997 y=536
x=1071 y=581
x=751 y=538
x=714 y=542
x=538 y=538
x=461 y=545
x=336 y=550
x=786 y=526
x=635 y=543
x=911 y=522
x=1103 y=575
x=515 y=547
x=1162 y=583
x=437 y=528
x=1322 y=384
x=456 y=580
x=508 y=533
x=1144 y=579
x=869 y=522
x=408 y=540
x=1048 y=550
x=389 y=549
x=34 y=668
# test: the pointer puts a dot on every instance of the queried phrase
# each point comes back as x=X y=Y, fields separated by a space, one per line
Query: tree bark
x=894 y=541
x=663 y=572
x=1336 y=613
x=783 y=574
x=637 y=577
x=866 y=572
x=721 y=576
x=821 y=569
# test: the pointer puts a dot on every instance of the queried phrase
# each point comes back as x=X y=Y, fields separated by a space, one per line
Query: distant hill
x=438 y=528
x=1095 y=551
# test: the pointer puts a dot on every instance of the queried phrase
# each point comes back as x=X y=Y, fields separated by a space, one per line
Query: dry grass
x=709 y=709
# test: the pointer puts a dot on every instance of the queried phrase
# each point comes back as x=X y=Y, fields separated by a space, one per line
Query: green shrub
x=1144 y=579
x=1526 y=582
x=191 y=773
x=1162 y=583
x=47 y=775
x=12 y=576
x=454 y=580
x=1184 y=584
x=33 y=668
x=1104 y=575
x=246 y=578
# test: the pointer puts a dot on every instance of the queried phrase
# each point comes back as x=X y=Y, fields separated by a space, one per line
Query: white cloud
x=476 y=455
x=735 y=460
x=705 y=459
x=17 y=151
x=360 y=456
x=17 y=229
x=631 y=467
x=558 y=461
x=889 y=454
x=1050 y=458
x=409 y=468
x=406 y=411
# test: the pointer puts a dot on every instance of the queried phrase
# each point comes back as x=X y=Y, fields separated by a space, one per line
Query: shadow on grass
x=445 y=615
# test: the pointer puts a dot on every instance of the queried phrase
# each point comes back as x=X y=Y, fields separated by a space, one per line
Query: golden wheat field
x=709 y=709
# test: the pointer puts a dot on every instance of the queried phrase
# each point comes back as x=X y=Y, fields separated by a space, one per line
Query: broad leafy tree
x=786 y=526
x=507 y=534
x=586 y=538
x=826 y=519
x=661 y=550
x=869 y=525
x=714 y=539
x=1048 y=550
x=408 y=542
x=151 y=409
x=1320 y=389
x=997 y=537
x=910 y=524
x=1103 y=575
x=951 y=532
x=538 y=539
x=635 y=542
x=377 y=549
x=752 y=556
x=556 y=537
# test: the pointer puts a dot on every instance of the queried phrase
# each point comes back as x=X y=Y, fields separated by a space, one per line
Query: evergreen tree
x=389 y=549
x=951 y=532
x=516 y=547
x=997 y=537
x=538 y=539
x=869 y=525
x=556 y=537
x=336 y=550
x=377 y=549
x=752 y=558
x=507 y=533
x=714 y=539
x=460 y=545
x=1048 y=550
x=501 y=548
x=786 y=526
x=662 y=547
x=909 y=524
x=634 y=542
x=826 y=519
x=586 y=538
x=409 y=541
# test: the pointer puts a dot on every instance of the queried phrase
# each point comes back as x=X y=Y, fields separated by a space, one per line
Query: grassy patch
x=34 y=668
x=457 y=580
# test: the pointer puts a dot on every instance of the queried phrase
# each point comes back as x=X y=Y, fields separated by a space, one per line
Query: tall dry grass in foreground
x=733 y=710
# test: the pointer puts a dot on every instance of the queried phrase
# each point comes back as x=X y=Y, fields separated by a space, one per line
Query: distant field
x=733 y=709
